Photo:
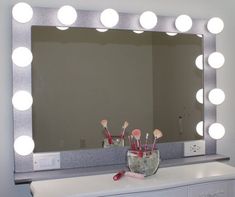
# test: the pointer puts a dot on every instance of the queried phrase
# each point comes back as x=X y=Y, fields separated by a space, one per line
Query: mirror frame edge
x=21 y=36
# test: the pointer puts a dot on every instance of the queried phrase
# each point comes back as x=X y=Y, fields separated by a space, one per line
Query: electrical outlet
x=46 y=161
x=193 y=148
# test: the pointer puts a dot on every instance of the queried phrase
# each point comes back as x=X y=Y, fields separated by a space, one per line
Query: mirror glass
x=81 y=76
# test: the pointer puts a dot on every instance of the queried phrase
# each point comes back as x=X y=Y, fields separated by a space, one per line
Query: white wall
x=199 y=8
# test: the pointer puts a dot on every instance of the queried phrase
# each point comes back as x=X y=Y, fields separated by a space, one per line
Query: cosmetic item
x=134 y=175
x=136 y=133
x=157 y=134
x=130 y=142
x=119 y=175
x=133 y=144
x=104 y=123
x=125 y=125
x=146 y=142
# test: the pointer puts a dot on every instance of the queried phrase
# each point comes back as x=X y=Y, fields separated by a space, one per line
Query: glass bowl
x=117 y=142
x=143 y=162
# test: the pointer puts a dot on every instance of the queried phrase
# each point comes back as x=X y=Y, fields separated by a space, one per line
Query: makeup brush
x=146 y=142
x=137 y=133
x=133 y=145
x=125 y=125
x=157 y=134
x=104 y=123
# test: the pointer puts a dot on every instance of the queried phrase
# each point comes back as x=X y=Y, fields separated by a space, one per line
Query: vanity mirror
x=27 y=162
x=81 y=76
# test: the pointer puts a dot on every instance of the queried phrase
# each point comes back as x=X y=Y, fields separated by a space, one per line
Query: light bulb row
x=67 y=15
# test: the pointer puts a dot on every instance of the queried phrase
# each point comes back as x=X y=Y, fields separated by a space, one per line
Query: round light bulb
x=22 y=56
x=24 y=145
x=171 y=34
x=101 y=30
x=22 y=100
x=199 y=96
x=216 y=96
x=67 y=15
x=138 y=31
x=22 y=12
x=215 y=25
x=183 y=23
x=216 y=131
x=216 y=60
x=199 y=35
x=109 y=18
x=199 y=62
x=62 y=28
x=148 y=20
x=199 y=128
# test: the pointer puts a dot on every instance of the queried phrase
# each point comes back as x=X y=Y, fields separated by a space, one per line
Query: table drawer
x=174 y=192
x=212 y=189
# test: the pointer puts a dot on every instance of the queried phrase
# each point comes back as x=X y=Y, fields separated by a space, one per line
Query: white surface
x=101 y=185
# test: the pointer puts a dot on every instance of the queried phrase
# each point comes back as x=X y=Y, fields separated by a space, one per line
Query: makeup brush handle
x=154 y=142
x=110 y=140
x=122 y=134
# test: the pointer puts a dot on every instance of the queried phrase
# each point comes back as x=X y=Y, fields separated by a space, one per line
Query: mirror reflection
x=81 y=76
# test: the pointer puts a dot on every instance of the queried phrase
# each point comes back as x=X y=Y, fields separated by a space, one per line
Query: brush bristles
x=104 y=123
x=125 y=125
x=136 y=133
x=147 y=136
x=157 y=133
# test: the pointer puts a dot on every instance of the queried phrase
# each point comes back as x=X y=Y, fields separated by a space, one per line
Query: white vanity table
x=213 y=179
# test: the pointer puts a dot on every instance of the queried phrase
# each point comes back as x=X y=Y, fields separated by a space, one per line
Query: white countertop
x=100 y=185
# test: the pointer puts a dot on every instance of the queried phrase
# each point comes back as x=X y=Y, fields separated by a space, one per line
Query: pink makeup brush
x=133 y=145
x=146 y=141
x=104 y=123
x=125 y=125
x=137 y=134
x=157 y=134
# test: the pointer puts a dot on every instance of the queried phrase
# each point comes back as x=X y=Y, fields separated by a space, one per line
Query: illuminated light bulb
x=216 y=96
x=216 y=60
x=199 y=128
x=199 y=96
x=215 y=25
x=62 y=28
x=199 y=62
x=138 y=31
x=199 y=35
x=22 y=100
x=171 y=34
x=22 y=12
x=22 y=56
x=109 y=18
x=24 y=145
x=67 y=15
x=101 y=30
x=216 y=131
x=183 y=23
x=148 y=20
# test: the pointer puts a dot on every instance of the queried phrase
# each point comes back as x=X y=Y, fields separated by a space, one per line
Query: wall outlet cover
x=193 y=148
x=46 y=161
